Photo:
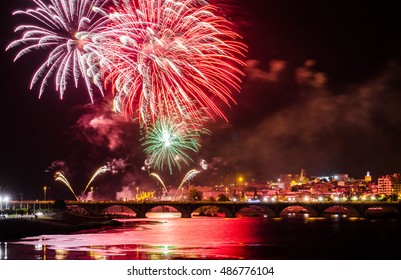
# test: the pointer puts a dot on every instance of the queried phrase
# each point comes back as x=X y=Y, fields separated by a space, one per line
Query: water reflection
x=61 y=254
x=163 y=236
x=3 y=251
x=166 y=236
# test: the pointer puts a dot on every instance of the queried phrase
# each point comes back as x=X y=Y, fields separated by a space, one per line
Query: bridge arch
x=206 y=210
x=164 y=208
x=381 y=211
x=348 y=210
x=254 y=210
x=192 y=208
x=120 y=209
x=301 y=208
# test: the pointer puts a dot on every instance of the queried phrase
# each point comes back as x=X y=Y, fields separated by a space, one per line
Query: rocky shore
x=15 y=228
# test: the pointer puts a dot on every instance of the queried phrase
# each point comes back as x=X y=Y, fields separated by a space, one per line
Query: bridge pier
x=186 y=211
x=230 y=210
x=231 y=215
x=141 y=215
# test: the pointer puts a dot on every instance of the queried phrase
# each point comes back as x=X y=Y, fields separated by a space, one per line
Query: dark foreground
x=16 y=228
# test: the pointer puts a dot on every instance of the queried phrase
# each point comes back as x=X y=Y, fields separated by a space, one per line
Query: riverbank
x=16 y=228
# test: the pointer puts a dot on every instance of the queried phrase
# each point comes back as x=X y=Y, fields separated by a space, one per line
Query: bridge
x=231 y=209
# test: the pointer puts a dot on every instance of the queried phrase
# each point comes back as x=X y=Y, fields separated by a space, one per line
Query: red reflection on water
x=159 y=238
x=220 y=238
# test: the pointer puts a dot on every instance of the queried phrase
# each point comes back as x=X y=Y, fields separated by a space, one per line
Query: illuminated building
x=368 y=178
x=389 y=184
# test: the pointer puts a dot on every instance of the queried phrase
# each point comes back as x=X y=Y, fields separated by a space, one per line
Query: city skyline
x=321 y=92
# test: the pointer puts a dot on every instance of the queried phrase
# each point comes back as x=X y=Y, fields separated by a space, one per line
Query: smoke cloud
x=102 y=128
x=126 y=193
x=322 y=129
x=255 y=72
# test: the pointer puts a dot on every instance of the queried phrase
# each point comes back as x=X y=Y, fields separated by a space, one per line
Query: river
x=164 y=236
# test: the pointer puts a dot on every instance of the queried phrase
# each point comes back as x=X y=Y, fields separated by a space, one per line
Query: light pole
x=6 y=199
x=20 y=206
x=44 y=192
x=1 y=203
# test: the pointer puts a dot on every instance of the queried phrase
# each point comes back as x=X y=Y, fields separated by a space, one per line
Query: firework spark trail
x=60 y=177
x=161 y=181
x=168 y=143
x=163 y=52
x=99 y=171
x=63 y=28
x=165 y=61
x=190 y=174
x=154 y=54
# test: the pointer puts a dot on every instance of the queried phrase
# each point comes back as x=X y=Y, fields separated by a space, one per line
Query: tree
x=222 y=197
x=195 y=195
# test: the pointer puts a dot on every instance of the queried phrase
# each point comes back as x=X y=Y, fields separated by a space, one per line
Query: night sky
x=322 y=92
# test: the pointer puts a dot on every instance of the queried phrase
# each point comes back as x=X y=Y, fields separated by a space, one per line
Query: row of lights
x=319 y=199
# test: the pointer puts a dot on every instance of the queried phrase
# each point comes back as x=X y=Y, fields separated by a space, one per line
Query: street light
x=20 y=206
x=6 y=199
x=44 y=192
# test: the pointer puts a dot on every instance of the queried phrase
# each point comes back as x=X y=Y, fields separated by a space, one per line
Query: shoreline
x=16 y=228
